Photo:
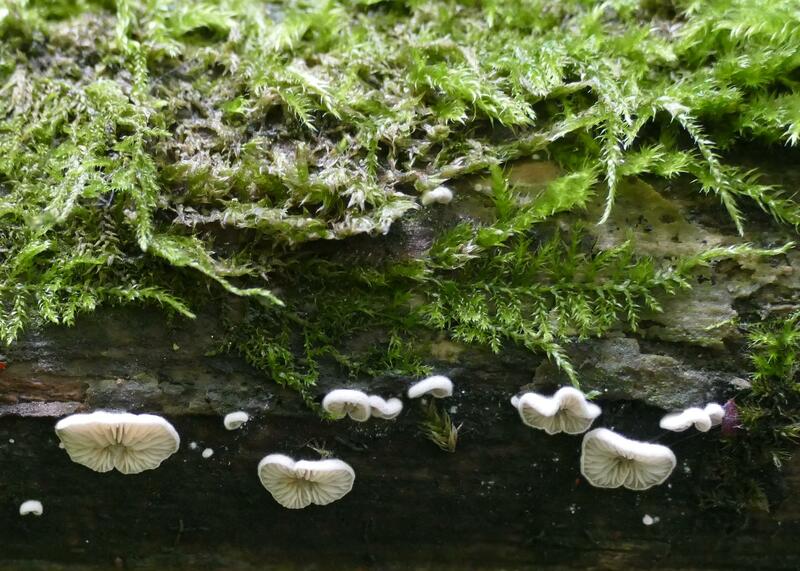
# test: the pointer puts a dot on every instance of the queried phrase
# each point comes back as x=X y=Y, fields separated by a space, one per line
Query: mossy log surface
x=218 y=205
x=509 y=497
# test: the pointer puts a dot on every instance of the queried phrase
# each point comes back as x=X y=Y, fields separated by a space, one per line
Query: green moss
x=438 y=427
x=745 y=472
x=168 y=152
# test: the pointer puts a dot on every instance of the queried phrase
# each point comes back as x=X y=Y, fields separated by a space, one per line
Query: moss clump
x=745 y=473
x=145 y=146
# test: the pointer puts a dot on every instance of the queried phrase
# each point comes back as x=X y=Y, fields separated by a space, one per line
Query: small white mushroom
x=386 y=409
x=715 y=412
x=438 y=386
x=296 y=485
x=31 y=507
x=609 y=460
x=235 y=420
x=566 y=411
x=680 y=421
x=347 y=402
x=440 y=195
x=207 y=453
x=130 y=443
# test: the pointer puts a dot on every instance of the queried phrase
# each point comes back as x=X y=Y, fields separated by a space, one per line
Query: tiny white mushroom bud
x=648 y=519
x=347 y=402
x=31 y=507
x=235 y=420
x=437 y=386
x=207 y=453
x=440 y=195
x=386 y=409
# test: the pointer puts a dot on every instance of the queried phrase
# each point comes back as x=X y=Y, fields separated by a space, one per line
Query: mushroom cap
x=566 y=411
x=438 y=386
x=131 y=443
x=715 y=412
x=234 y=420
x=296 y=485
x=386 y=409
x=609 y=460
x=347 y=402
x=680 y=421
x=34 y=507
x=440 y=194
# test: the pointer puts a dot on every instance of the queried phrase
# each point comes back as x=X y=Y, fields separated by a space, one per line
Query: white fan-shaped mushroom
x=130 y=443
x=566 y=411
x=680 y=421
x=31 y=507
x=609 y=460
x=296 y=485
x=235 y=420
x=715 y=412
x=386 y=409
x=347 y=402
x=437 y=386
x=440 y=195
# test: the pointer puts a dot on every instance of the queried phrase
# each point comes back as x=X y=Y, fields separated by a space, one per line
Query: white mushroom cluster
x=702 y=418
x=296 y=485
x=359 y=406
x=610 y=460
x=130 y=443
x=566 y=411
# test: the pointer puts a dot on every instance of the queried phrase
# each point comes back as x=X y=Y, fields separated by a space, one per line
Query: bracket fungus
x=702 y=418
x=131 y=443
x=566 y=411
x=31 y=507
x=235 y=420
x=439 y=195
x=438 y=386
x=347 y=402
x=609 y=460
x=386 y=409
x=296 y=485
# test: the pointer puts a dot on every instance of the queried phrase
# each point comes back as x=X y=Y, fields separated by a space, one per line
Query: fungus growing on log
x=386 y=409
x=715 y=412
x=439 y=195
x=130 y=443
x=566 y=411
x=609 y=460
x=235 y=420
x=296 y=485
x=680 y=421
x=702 y=418
x=438 y=386
x=347 y=402
x=31 y=507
